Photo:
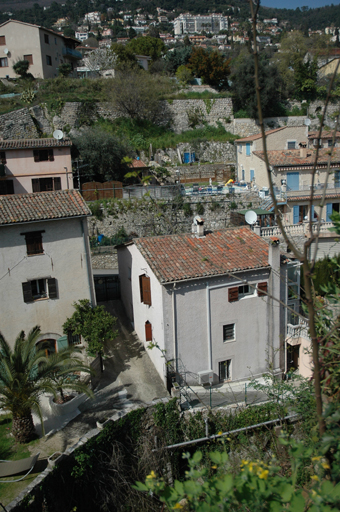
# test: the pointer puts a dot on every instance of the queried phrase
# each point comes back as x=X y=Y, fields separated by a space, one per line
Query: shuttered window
x=29 y=59
x=145 y=289
x=229 y=332
x=40 y=289
x=2 y=40
x=43 y=155
x=34 y=242
x=148 y=331
x=262 y=289
x=6 y=187
x=233 y=294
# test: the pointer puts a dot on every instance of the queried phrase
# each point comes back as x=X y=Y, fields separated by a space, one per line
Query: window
x=248 y=149
x=3 y=62
x=39 y=289
x=291 y=144
x=42 y=155
x=34 y=242
x=3 y=157
x=6 y=187
x=330 y=143
x=48 y=60
x=46 y=184
x=224 y=370
x=240 y=148
x=2 y=40
x=47 y=39
x=29 y=59
x=145 y=289
x=245 y=290
x=229 y=332
x=55 y=40
x=148 y=331
x=73 y=339
x=238 y=292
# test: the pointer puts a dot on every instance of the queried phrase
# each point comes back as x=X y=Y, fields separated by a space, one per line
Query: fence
x=94 y=190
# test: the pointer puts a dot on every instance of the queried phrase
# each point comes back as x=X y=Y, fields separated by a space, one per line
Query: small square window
x=291 y=144
x=34 y=243
x=4 y=62
x=29 y=59
x=73 y=339
x=229 y=332
x=39 y=289
x=47 y=38
x=330 y=143
x=245 y=290
x=2 y=40
x=45 y=288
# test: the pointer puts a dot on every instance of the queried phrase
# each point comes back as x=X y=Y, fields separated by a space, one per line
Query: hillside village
x=164 y=247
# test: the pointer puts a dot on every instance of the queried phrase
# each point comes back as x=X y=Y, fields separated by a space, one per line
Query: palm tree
x=26 y=373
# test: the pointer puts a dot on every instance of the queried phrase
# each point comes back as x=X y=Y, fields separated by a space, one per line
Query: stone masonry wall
x=18 y=125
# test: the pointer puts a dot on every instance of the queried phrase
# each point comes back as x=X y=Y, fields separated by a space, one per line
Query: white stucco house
x=45 y=263
x=206 y=301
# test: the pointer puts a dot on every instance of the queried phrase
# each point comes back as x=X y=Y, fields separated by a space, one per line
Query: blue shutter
x=62 y=343
x=329 y=210
x=293 y=181
x=337 y=179
x=296 y=214
x=312 y=212
x=248 y=149
x=252 y=174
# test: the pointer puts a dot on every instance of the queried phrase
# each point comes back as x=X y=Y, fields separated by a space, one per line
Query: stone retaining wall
x=18 y=125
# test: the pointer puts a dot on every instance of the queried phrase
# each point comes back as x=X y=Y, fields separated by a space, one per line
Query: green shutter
x=62 y=343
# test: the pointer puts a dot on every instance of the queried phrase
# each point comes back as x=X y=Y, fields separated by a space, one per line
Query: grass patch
x=191 y=95
x=143 y=133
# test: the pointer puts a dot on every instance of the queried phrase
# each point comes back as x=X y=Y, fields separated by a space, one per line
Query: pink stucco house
x=35 y=165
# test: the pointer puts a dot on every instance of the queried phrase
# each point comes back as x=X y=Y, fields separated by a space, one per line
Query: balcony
x=305 y=189
x=296 y=229
x=71 y=53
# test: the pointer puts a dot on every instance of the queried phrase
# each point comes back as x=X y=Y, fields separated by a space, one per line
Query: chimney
x=303 y=149
x=198 y=226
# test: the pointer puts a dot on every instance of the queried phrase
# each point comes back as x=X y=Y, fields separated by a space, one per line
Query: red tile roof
x=34 y=143
x=324 y=134
x=292 y=158
x=259 y=135
x=20 y=208
x=178 y=257
x=138 y=164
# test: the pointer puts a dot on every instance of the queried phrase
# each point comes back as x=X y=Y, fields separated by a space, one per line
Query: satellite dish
x=58 y=134
x=251 y=217
x=6 y=51
x=307 y=121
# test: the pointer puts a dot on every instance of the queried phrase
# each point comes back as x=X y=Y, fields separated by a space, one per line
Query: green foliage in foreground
x=143 y=133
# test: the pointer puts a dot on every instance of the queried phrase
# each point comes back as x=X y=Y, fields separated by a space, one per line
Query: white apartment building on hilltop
x=189 y=23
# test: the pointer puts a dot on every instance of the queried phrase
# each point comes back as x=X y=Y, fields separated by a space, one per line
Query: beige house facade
x=44 y=49
x=286 y=137
x=35 y=165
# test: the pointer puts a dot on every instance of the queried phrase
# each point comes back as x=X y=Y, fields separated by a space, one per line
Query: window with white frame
x=291 y=144
x=229 y=332
x=224 y=370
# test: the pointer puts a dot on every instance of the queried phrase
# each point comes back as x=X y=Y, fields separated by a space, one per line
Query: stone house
x=325 y=141
x=206 y=301
x=43 y=48
x=35 y=165
x=45 y=263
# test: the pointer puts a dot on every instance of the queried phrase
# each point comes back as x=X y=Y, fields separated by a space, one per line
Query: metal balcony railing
x=70 y=52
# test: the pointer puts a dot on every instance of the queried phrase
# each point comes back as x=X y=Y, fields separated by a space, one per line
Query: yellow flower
x=214 y=467
x=219 y=433
x=315 y=477
x=244 y=462
x=178 y=505
x=228 y=438
x=264 y=474
x=325 y=465
x=152 y=475
x=315 y=459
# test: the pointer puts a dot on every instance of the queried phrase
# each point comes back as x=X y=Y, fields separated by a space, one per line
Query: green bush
x=200 y=208
x=187 y=210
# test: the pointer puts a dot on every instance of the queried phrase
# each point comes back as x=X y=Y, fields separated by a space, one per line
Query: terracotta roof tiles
x=259 y=135
x=184 y=256
x=21 y=208
x=292 y=158
x=34 y=143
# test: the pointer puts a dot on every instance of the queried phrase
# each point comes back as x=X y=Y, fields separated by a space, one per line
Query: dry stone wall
x=18 y=125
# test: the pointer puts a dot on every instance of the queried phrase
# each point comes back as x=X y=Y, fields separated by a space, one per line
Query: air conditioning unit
x=205 y=377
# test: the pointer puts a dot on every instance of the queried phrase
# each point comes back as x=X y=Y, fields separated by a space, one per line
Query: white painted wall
x=64 y=258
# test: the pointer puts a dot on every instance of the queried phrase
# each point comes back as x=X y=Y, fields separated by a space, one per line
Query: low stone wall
x=209 y=151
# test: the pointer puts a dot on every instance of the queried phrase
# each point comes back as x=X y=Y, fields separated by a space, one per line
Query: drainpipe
x=67 y=178
x=209 y=328
x=88 y=269
x=174 y=326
